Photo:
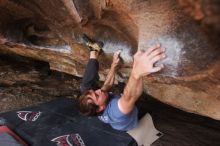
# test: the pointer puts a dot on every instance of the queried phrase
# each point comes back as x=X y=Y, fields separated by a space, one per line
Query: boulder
x=52 y=31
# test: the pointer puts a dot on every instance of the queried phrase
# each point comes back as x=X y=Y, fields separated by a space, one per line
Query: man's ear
x=100 y=109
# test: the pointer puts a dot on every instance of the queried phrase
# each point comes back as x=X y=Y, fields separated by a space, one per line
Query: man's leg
x=91 y=76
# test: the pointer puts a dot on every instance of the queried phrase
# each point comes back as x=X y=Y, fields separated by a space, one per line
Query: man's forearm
x=134 y=88
x=109 y=79
x=111 y=75
x=132 y=92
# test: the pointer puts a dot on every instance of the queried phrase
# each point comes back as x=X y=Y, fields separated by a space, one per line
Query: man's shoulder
x=116 y=118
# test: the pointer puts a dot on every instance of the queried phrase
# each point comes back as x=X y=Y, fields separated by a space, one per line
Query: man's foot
x=95 y=46
x=92 y=46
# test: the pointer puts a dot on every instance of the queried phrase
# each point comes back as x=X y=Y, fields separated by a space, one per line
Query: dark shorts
x=91 y=76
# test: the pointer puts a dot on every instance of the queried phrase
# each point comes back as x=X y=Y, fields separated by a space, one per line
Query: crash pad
x=59 y=123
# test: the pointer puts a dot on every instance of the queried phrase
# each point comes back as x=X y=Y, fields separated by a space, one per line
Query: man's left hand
x=116 y=59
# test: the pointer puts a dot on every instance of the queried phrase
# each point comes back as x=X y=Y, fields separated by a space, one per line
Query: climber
x=117 y=110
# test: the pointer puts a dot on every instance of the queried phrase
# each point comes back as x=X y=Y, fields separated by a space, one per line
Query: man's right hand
x=144 y=61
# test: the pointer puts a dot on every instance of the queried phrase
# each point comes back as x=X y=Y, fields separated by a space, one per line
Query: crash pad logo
x=28 y=115
x=69 y=140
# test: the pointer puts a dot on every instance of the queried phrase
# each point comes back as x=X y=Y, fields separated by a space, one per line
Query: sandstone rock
x=52 y=31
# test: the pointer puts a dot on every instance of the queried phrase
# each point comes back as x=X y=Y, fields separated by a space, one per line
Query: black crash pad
x=58 y=123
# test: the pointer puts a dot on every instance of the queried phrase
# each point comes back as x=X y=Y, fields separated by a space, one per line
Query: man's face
x=99 y=97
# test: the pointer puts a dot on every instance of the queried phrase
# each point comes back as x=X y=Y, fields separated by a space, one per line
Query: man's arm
x=111 y=74
x=143 y=65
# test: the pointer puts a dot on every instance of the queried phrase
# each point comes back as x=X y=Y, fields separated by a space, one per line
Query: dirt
x=25 y=82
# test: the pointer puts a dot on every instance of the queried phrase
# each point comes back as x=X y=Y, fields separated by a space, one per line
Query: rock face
x=189 y=30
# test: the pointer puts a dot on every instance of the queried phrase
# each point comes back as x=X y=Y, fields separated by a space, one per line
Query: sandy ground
x=25 y=82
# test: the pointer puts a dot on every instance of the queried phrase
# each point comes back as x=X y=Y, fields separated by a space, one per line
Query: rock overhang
x=51 y=31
